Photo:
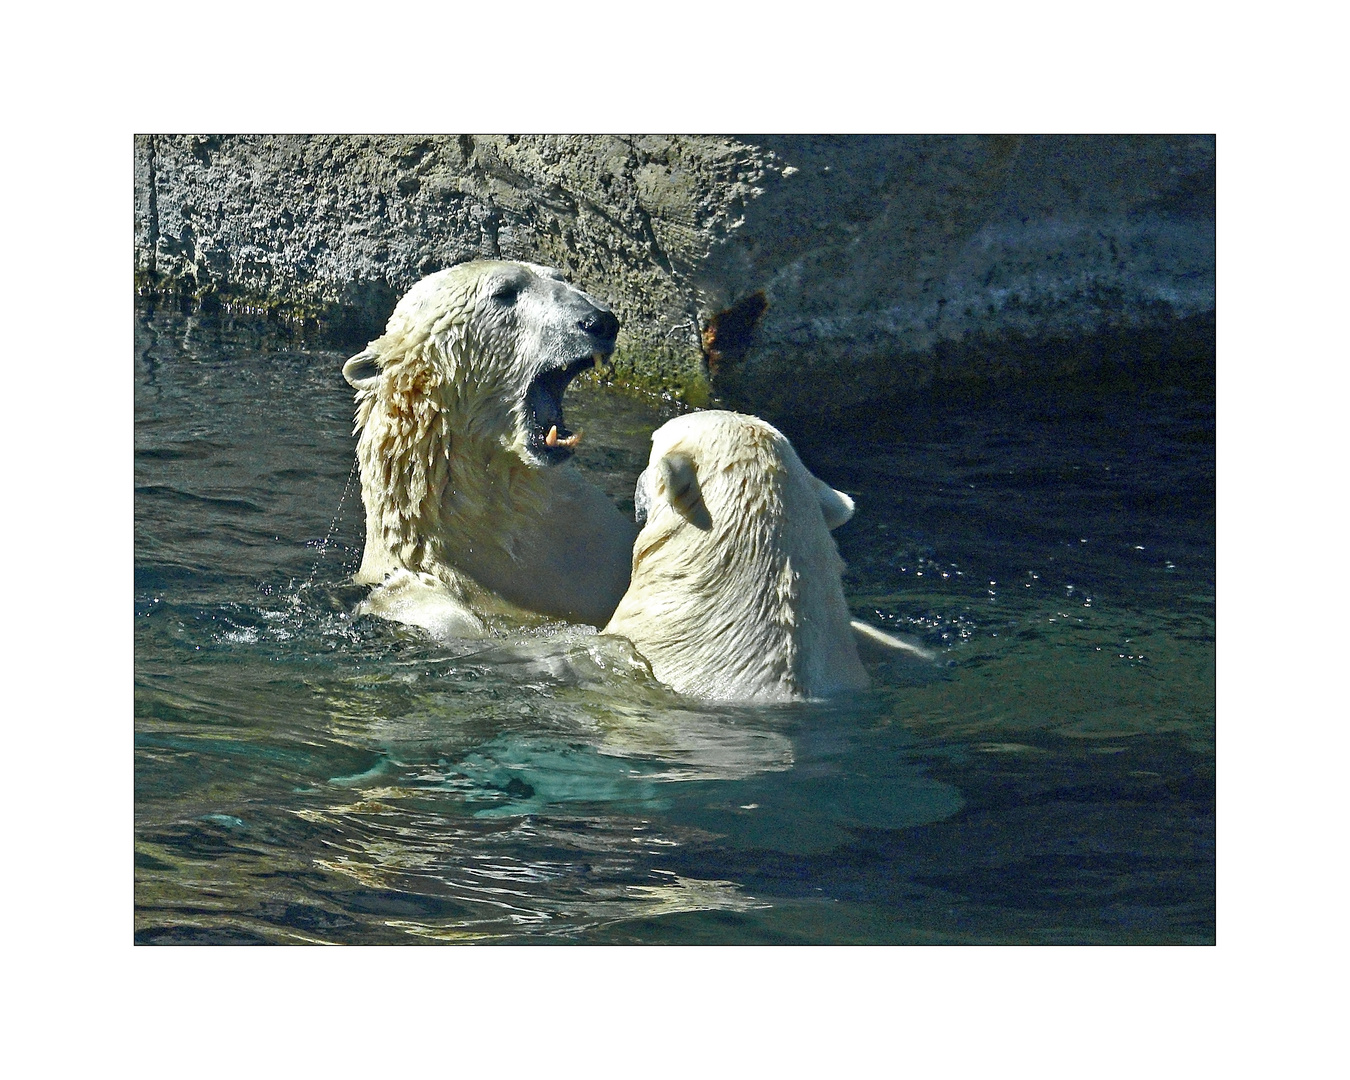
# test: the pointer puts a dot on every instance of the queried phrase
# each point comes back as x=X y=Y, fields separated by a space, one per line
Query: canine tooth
x=571 y=440
x=551 y=439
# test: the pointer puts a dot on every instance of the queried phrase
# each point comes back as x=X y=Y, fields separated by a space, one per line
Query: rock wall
x=777 y=271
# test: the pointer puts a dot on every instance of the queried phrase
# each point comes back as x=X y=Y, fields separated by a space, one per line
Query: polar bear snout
x=586 y=332
x=603 y=326
x=591 y=337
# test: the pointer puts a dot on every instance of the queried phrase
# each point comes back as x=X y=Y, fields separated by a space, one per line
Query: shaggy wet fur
x=471 y=509
x=735 y=591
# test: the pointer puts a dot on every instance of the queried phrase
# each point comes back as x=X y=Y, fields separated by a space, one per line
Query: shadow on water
x=306 y=775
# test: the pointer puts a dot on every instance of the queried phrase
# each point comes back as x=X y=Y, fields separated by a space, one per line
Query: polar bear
x=735 y=591
x=471 y=507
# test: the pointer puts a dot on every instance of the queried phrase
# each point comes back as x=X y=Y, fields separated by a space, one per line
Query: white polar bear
x=735 y=591
x=470 y=507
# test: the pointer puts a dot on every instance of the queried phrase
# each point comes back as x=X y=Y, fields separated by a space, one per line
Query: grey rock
x=888 y=262
x=783 y=270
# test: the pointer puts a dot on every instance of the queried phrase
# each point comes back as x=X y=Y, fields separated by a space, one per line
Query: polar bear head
x=459 y=408
x=735 y=590
x=497 y=342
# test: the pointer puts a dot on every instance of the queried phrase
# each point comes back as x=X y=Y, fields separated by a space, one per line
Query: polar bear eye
x=506 y=292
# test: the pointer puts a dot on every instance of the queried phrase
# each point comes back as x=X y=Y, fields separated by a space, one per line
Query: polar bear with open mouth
x=736 y=591
x=471 y=507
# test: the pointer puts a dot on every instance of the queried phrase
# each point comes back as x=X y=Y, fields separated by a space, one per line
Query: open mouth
x=548 y=436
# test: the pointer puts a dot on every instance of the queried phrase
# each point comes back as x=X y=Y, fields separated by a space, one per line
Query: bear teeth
x=551 y=439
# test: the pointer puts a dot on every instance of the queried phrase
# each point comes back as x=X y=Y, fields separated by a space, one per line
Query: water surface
x=305 y=775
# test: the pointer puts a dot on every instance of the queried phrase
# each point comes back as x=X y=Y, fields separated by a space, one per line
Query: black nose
x=602 y=324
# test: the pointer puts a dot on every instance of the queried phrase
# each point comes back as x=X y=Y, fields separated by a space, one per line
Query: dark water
x=303 y=775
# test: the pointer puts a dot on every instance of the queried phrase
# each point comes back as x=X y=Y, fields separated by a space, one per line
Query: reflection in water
x=306 y=774
x=591 y=761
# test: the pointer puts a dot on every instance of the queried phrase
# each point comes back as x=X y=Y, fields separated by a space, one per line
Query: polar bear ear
x=677 y=483
x=361 y=371
x=835 y=505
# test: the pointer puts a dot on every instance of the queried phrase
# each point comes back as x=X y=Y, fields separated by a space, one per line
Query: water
x=304 y=775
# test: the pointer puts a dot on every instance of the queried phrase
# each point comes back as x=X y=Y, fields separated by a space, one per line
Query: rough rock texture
x=885 y=262
x=337 y=227
x=789 y=270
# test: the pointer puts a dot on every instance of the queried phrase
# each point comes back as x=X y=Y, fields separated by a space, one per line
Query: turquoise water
x=305 y=775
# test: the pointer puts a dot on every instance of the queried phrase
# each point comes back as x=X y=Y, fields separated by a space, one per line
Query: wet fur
x=463 y=519
x=735 y=591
